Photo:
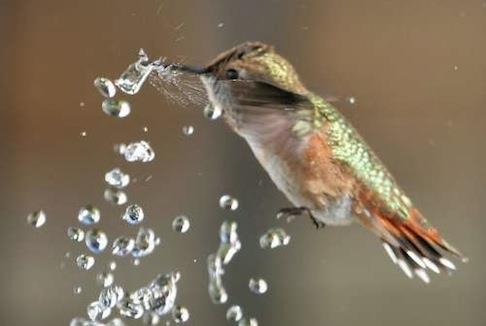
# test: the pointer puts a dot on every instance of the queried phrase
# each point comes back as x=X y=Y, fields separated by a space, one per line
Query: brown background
x=424 y=118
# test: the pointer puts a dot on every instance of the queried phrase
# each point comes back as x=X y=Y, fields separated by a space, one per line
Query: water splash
x=228 y=247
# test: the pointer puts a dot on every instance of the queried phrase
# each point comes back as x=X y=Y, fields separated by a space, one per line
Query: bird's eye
x=232 y=74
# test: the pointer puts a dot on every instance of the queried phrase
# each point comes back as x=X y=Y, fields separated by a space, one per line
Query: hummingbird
x=316 y=157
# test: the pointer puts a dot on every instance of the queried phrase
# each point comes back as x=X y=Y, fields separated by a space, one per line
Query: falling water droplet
x=77 y=289
x=228 y=202
x=111 y=295
x=96 y=311
x=75 y=234
x=139 y=152
x=123 y=246
x=351 y=100
x=133 y=214
x=115 y=196
x=37 y=219
x=131 y=309
x=234 y=313
x=96 y=240
x=85 y=262
x=105 y=87
x=248 y=322
x=116 y=178
x=150 y=318
x=116 y=108
x=105 y=279
x=89 y=215
x=274 y=238
x=258 y=286
x=212 y=112
x=181 y=224
x=188 y=130
x=180 y=314
x=144 y=243
x=112 y=265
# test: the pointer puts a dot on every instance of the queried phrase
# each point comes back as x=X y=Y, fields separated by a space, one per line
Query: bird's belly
x=336 y=211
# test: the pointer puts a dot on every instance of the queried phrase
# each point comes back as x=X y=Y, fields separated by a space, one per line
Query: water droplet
x=228 y=202
x=217 y=293
x=112 y=265
x=144 y=243
x=115 y=322
x=248 y=322
x=133 y=214
x=220 y=25
x=181 y=224
x=164 y=292
x=274 y=238
x=96 y=311
x=116 y=108
x=228 y=250
x=145 y=129
x=77 y=289
x=96 y=240
x=89 y=215
x=131 y=310
x=85 y=262
x=456 y=68
x=212 y=112
x=75 y=234
x=105 y=279
x=351 y=100
x=139 y=152
x=115 y=196
x=111 y=295
x=188 y=130
x=136 y=262
x=150 y=318
x=105 y=87
x=228 y=232
x=83 y=133
x=120 y=148
x=123 y=246
x=37 y=219
x=180 y=314
x=258 y=286
x=234 y=313
x=132 y=79
x=116 y=178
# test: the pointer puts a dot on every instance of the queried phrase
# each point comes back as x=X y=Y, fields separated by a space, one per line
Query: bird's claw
x=297 y=211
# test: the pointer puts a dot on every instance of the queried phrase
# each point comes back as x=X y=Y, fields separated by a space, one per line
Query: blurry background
x=416 y=68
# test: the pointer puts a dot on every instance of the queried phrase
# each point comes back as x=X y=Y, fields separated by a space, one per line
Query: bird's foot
x=292 y=212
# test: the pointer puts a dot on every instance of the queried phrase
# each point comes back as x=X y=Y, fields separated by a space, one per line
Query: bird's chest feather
x=304 y=170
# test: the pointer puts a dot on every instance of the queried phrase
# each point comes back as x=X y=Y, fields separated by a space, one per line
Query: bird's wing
x=381 y=205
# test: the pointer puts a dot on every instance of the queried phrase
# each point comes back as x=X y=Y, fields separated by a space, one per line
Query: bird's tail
x=411 y=243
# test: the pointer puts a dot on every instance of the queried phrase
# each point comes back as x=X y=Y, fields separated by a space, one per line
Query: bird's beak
x=189 y=69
